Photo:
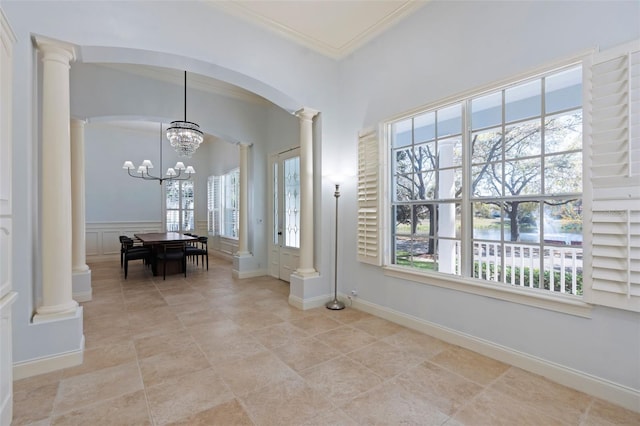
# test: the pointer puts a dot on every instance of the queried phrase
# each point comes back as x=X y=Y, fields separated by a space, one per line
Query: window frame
x=565 y=303
x=220 y=204
x=180 y=209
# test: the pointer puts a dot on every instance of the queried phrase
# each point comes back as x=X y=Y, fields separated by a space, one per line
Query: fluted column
x=306 y=267
x=243 y=240
x=56 y=237
x=79 y=257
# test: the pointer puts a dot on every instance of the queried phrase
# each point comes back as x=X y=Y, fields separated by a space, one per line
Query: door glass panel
x=276 y=209
x=292 y=202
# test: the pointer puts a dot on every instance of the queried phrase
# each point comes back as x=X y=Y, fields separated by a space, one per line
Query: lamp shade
x=128 y=165
x=147 y=163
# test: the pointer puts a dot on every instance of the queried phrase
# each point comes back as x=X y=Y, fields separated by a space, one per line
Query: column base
x=245 y=266
x=81 y=285
x=307 y=292
x=56 y=312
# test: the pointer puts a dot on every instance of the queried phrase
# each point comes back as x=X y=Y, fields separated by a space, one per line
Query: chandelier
x=143 y=170
x=185 y=136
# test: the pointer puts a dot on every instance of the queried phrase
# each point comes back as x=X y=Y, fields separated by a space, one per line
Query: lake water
x=528 y=237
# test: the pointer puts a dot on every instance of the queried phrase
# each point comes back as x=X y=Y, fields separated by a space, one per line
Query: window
x=179 y=198
x=490 y=187
x=223 y=197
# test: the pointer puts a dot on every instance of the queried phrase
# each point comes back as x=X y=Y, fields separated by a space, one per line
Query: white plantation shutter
x=614 y=161
x=210 y=204
x=368 y=199
x=215 y=214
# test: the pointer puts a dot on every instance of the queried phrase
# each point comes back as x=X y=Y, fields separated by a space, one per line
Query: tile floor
x=210 y=350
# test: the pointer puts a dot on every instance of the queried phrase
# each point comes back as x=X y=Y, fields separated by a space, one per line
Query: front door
x=284 y=255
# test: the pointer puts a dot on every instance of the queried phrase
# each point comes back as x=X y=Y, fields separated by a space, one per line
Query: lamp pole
x=335 y=304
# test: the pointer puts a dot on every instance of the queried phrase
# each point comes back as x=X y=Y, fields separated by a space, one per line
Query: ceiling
x=334 y=28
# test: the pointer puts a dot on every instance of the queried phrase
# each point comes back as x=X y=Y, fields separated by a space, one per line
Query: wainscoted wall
x=102 y=238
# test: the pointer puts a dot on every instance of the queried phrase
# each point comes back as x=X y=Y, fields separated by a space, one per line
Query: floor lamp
x=335 y=304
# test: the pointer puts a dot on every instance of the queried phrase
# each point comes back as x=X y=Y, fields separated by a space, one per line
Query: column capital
x=55 y=49
x=305 y=113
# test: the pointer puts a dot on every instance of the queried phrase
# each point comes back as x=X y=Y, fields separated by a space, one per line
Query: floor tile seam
x=92 y=402
x=494 y=382
x=338 y=355
x=45 y=416
x=382 y=380
x=470 y=401
x=183 y=349
x=145 y=390
x=526 y=405
x=95 y=403
x=587 y=412
x=176 y=376
x=460 y=375
x=395 y=376
x=266 y=387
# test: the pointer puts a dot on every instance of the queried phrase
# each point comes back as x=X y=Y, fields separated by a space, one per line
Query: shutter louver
x=615 y=178
x=368 y=199
x=216 y=205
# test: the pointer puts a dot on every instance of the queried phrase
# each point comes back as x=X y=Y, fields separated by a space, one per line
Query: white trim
x=83 y=296
x=305 y=304
x=566 y=304
x=101 y=238
x=334 y=49
x=34 y=367
x=572 y=305
x=615 y=393
x=248 y=274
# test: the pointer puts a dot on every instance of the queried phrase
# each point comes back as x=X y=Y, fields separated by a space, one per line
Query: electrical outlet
x=354 y=293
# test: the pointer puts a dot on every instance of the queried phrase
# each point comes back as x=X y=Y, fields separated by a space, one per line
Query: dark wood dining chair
x=132 y=252
x=199 y=248
x=172 y=252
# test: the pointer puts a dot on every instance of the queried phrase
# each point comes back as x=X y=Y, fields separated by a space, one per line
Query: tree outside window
x=521 y=160
x=180 y=206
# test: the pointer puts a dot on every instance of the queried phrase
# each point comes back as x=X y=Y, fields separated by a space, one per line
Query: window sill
x=531 y=297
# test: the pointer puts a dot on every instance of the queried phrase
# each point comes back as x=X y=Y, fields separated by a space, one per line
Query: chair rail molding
x=102 y=237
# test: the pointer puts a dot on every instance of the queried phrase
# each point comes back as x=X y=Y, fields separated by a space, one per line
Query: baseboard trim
x=609 y=391
x=34 y=367
x=248 y=274
x=305 y=304
x=83 y=296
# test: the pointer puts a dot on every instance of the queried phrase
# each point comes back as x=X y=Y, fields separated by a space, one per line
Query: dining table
x=156 y=239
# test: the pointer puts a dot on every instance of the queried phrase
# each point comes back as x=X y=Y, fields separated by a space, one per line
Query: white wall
x=140 y=33
x=444 y=49
x=447 y=48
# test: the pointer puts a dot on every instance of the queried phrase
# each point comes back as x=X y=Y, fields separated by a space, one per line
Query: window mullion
x=466 y=233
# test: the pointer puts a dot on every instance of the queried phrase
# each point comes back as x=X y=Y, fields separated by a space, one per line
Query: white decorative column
x=7 y=295
x=243 y=261
x=306 y=267
x=56 y=237
x=81 y=272
x=243 y=242
x=304 y=279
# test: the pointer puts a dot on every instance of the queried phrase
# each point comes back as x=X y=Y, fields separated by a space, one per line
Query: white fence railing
x=521 y=265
